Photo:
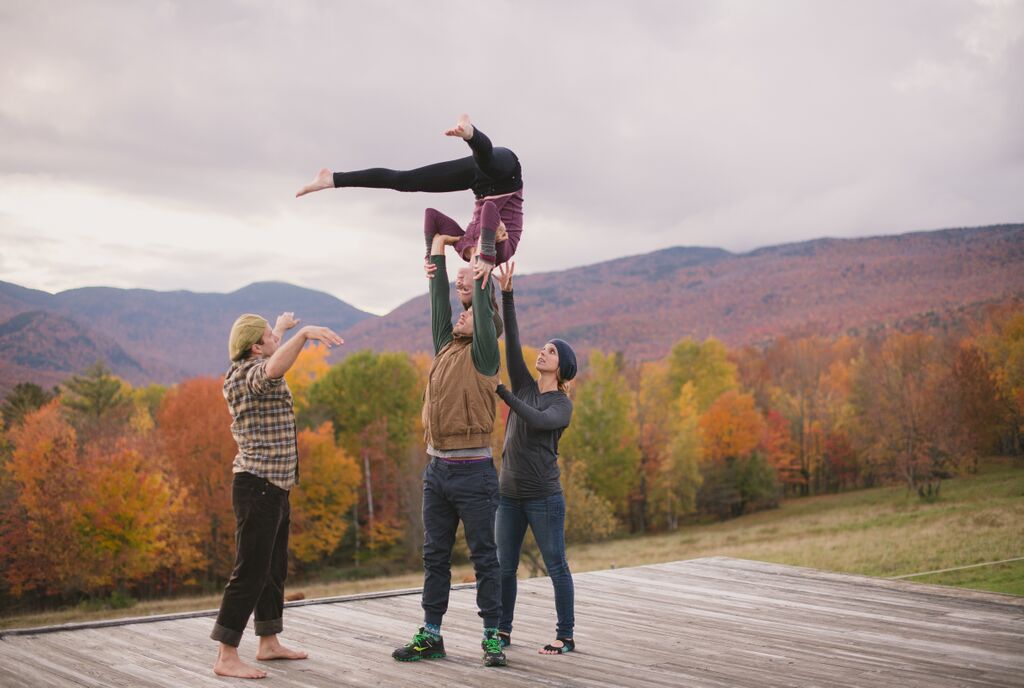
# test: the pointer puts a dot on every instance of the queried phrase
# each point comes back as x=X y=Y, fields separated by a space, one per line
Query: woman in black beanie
x=531 y=492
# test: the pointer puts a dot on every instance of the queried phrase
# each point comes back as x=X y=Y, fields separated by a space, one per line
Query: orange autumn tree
x=87 y=521
x=732 y=427
x=194 y=435
x=780 y=451
x=128 y=513
x=40 y=543
x=323 y=500
x=736 y=477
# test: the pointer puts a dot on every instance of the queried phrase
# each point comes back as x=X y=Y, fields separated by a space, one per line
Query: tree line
x=109 y=490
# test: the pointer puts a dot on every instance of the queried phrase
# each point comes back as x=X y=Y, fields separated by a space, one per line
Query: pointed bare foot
x=462 y=128
x=324 y=180
x=232 y=666
x=271 y=648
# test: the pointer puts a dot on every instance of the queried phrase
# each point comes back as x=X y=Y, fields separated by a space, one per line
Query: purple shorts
x=510 y=209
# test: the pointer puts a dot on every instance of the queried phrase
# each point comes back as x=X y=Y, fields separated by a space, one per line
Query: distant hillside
x=144 y=335
x=641 y=305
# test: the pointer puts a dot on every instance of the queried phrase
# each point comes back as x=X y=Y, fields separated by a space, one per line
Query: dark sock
x=432 y=629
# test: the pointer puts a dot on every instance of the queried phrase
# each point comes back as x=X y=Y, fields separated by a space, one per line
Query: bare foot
x=271 y=648
x=463 y=129
x=229 y=664
x=324 y=180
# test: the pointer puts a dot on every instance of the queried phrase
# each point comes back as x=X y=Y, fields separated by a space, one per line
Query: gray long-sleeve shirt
x=529 y=467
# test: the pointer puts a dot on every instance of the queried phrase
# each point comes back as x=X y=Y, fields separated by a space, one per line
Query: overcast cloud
x=159 y=144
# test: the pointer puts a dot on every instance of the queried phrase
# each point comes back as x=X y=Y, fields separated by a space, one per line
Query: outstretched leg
x=442 y=177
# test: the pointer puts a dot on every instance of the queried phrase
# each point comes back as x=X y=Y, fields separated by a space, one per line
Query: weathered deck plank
x=712 y=622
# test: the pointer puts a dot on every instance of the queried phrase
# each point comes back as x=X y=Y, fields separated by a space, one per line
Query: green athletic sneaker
x=423 y=646
x=493 y=656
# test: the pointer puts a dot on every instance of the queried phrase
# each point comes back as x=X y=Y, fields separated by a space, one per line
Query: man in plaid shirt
x=265 y=469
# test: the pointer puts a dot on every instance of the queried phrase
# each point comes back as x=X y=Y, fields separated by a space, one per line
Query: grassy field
x=879 y=532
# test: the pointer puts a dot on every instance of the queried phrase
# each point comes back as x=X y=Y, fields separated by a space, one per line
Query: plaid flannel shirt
x=263 y=423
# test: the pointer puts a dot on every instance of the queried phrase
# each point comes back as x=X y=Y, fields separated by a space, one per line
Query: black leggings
x=489 y=171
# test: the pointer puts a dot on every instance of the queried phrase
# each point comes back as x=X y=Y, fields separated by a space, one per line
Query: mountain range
x=143 y=335
x=640 y=305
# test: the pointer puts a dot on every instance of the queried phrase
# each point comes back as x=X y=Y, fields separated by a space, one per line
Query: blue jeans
x=453 y=493
x=546 y=518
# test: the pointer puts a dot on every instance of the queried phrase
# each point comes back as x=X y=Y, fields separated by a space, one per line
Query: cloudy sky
x=159 y=144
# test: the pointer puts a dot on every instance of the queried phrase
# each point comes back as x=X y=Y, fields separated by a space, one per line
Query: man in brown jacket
x=460 y=482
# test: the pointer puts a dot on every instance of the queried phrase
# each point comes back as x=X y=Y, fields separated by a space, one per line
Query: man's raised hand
x=286 y=321
x=321 y=334
x=482 y=271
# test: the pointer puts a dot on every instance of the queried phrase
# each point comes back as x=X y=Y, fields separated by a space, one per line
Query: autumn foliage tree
x=127 y=516
x=322 y=502
x=675 y=483
x=705 y=364
x=903 y=424
x=1003 y=343
x=87 y=519
x=310 y=366
x=602 y=436
x=735 y=476
x=193 y=435
x=373 y=401
x=40 y=542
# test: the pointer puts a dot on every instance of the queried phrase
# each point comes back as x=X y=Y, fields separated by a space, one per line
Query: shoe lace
x=419 y=639
x=492 y=645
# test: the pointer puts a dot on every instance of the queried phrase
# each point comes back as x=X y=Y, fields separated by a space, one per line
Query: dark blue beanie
x=566 y=359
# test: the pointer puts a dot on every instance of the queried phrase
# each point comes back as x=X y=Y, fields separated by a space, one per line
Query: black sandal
x=568 y=645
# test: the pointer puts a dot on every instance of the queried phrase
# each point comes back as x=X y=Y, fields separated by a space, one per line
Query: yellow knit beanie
x=246 y=331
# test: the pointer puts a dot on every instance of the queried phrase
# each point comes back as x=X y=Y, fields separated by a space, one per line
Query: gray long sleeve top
x=529 y=467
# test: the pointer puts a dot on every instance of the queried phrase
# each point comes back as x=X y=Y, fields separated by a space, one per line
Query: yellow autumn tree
x=127 y=515
x=310 y=366
x=322 y=502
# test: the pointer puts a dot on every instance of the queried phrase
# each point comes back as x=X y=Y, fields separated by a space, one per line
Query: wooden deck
x=705 y=622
